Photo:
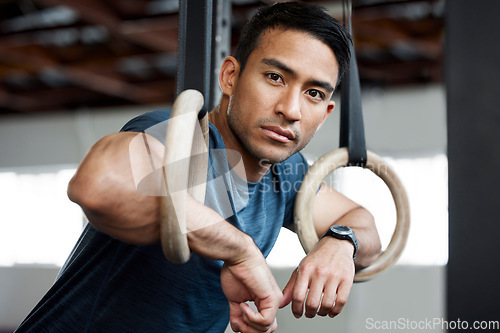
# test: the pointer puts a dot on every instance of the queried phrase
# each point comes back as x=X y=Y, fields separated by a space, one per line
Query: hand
x=328 y=273
x=251 y=280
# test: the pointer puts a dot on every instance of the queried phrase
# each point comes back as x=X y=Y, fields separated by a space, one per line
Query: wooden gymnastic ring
x=325 y=165
x=182 y=141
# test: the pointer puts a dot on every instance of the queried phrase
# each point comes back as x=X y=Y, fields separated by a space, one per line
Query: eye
x=316 y=94
x=275 y=77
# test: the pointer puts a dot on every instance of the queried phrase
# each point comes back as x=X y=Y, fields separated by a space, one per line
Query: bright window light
x=426 y=183
x=38 y=224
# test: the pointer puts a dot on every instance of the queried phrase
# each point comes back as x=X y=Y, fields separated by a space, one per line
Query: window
x=426 y=183
x=38 y=224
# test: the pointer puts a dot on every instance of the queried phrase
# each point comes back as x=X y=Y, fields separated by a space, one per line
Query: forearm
x=362 y=223
x=331 y=207
x=322 y=281
x=112 y=186
x=105 y=188
x=211 y=236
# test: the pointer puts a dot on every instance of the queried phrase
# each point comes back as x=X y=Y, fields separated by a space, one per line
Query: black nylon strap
x=194 y=49
x=352 y=134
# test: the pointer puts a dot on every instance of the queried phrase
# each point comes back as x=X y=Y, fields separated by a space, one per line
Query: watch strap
x=345 y=233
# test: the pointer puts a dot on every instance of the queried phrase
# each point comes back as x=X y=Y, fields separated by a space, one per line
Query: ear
x=329 y=110
x=228 y=76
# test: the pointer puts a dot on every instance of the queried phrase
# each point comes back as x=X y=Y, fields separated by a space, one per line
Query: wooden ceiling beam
x=403 y=73
x=156 y=32
x=9 y=101
x=66 y=98
x=95 y=12
x=104 y=84
x=383 y=35
x=110 y=86
x=33 y=60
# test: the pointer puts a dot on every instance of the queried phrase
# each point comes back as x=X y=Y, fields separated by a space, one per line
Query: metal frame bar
x=194 y=50
x=352 y=133
x=204 y=42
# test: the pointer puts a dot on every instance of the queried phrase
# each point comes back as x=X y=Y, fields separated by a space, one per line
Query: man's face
x=283 y=94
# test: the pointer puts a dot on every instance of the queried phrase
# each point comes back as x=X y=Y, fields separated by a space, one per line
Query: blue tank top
x=110 y=286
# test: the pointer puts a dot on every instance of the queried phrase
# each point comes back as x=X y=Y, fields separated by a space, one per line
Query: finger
x=287 y=291
x=251 y=318
x=314 y=297
x=299 y=293
x=328 y=300
x=236 y=317
x=259 y=321
x=250 y=329
x=342 y=296
x=235 y=326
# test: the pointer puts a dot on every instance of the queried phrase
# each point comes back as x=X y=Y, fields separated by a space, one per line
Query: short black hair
x=307 y=18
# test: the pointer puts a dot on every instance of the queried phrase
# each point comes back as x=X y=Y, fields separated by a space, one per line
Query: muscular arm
x=105 y=188
x=118 y=186
x=323 y=280
x=113 y=185
x=331 y=207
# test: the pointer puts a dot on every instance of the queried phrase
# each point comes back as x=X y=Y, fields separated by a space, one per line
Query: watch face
x=341 y=229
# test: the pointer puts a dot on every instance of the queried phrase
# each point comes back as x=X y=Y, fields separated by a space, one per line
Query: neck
x=254 y=169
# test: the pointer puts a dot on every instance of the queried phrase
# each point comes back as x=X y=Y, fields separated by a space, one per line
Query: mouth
x=279 y=134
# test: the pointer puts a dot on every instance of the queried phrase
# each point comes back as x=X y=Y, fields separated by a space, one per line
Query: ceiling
x=61 y=55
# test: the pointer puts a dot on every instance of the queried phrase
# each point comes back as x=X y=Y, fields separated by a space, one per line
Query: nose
x=289 y=105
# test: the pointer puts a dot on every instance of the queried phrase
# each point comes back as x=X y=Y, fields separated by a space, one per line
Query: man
x=276 y=93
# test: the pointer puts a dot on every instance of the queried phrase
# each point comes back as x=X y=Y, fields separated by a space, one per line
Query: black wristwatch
x=343 y=232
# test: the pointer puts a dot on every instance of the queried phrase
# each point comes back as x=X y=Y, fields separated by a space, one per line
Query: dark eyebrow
x=278 y=64
x=325 y=85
